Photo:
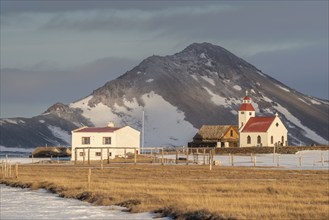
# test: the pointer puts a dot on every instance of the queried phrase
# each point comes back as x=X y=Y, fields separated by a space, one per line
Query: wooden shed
x=216 y=136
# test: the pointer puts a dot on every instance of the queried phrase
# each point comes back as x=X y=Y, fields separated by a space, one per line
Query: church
x=262 y=130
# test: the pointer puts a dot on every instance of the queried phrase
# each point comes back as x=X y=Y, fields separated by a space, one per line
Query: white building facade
x=260 y=131
x=104 y=142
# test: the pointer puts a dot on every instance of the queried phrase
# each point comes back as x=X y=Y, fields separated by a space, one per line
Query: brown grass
x=242 y=193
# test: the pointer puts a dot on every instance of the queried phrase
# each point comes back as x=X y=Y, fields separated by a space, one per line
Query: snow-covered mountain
x=203 y=84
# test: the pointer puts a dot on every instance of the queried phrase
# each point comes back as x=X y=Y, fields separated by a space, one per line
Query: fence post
x=232 y=159
x=84 y=157
x=273 y=153
x=135 y=157
x=162 y=156
x=108 y=155
x=187 y=155
x=300 y=161
x=101 y=158
x=16 y=170
x=10 y=170
x=176 y=156
x=255 y=160
x=75 y=156
x=88 y=156
x=322 y=159
x=89 y=178
x=278 y=161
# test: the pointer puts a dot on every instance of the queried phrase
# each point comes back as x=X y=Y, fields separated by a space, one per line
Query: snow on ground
x=308 y=132
x=22 y=160
x=209 y=80
x=311 y=159
x=237 y=87
x=17 y=203
x=60 y=133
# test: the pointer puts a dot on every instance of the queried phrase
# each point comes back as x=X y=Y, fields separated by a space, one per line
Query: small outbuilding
x=216 y=136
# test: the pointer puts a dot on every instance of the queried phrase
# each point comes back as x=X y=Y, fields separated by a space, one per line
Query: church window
x=250 y=113
x=248 y=140
x=271 y=139
x=277 y=124
x=242 y=113
x=259 y=140
x=282 y=140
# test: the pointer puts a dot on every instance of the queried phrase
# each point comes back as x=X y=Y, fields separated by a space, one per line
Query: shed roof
x=213 y=132
x=258 y=124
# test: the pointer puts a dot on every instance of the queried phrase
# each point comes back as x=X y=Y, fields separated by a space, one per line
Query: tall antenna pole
x=143 y=133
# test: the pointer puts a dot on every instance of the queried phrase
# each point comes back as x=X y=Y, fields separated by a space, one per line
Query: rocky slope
x=203 y=84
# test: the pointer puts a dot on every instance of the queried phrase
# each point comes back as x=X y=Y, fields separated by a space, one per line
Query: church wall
x=277 y=132
x=253 y=136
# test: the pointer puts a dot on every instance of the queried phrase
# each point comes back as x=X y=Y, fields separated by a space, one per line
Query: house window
x=242 y=113
x=231 y=133
x=271 y=139
x=250 y=113
x=248 y=140
x=85 y=140
x=277 y=124
x=259 y=140
x=106 y=140
x=82 y=154
x=97 y=154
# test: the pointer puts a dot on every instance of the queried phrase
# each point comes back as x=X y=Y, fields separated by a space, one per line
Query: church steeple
x=246 y=111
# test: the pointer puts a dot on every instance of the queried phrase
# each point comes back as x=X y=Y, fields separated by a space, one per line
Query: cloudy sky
x=60 y=51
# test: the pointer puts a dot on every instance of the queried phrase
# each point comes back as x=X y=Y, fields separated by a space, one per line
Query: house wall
x=124 y=137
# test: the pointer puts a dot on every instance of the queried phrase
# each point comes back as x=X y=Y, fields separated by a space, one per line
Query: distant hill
x=203 y=84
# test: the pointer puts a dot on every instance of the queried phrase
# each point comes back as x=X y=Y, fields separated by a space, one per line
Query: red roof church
x=260 y=131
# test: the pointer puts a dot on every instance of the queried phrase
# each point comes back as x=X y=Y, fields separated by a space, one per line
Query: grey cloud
x=47 y=86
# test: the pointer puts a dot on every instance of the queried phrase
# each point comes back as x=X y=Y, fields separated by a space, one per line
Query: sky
x=60 y=51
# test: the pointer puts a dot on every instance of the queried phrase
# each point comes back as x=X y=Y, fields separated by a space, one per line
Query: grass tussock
x=188 y=192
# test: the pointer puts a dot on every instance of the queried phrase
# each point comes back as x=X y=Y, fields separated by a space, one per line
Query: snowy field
x=17 y=203
x=302 y=160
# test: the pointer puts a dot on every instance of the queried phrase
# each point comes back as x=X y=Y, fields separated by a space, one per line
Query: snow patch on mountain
x=164 y=123
x=149 y=80
x=209 y=80
x=281 y=87
x=237 y=87
x=308 y=132
x=60 y=133
x=216 y=99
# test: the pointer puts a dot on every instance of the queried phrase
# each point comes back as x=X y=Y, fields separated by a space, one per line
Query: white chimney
x=110 y=124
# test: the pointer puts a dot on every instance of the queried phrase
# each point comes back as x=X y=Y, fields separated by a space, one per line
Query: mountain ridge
x=202 y=84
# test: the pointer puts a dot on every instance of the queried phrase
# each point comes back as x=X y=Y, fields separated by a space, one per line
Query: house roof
x=246 y=107
x=258 y=124
x=213 y=132
x=97 y=129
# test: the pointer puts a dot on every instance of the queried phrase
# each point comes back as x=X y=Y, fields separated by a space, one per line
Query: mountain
x=203 y=84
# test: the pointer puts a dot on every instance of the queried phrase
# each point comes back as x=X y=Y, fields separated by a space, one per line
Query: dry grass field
x=179 y=190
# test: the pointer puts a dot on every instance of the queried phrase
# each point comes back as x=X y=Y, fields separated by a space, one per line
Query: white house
x=260 y=131
x=103 y=141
